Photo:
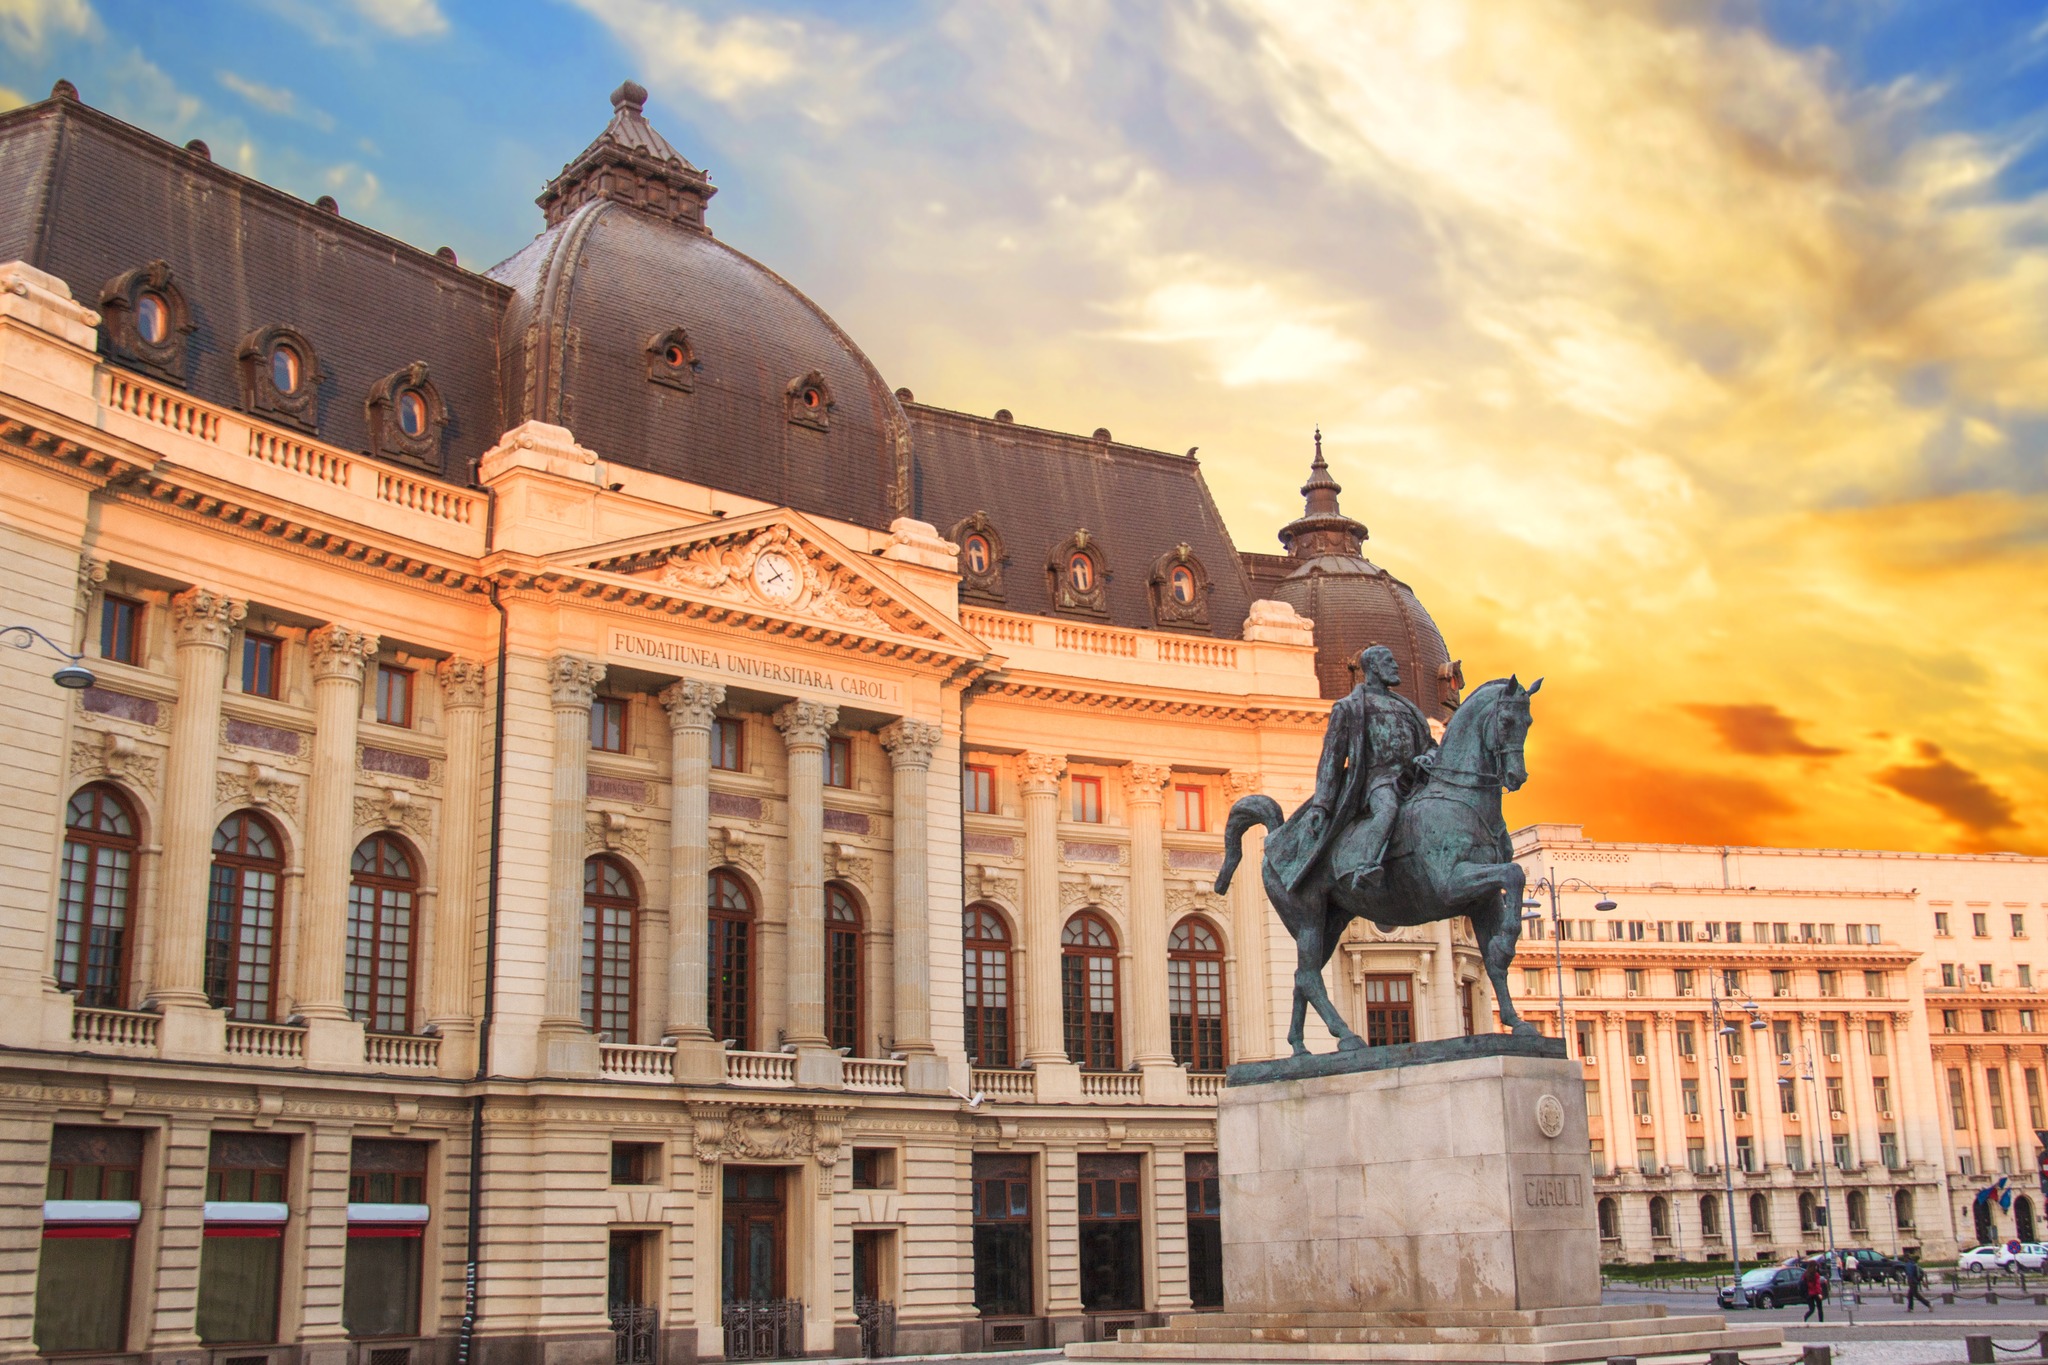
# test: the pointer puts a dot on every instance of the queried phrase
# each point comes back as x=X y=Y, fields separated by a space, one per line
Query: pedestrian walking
x=1816 y=1293
x=1915 y=1276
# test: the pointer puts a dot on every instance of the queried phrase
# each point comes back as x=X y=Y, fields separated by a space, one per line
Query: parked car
x=2031 y=1257
x=1863 y=1265
x=1769 y=1287
x=1982 y=1260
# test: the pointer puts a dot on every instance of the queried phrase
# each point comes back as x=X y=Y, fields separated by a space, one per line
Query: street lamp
x=1532 y=910
x=1722 y=1028
x=73 y=676
x=1827 y=1203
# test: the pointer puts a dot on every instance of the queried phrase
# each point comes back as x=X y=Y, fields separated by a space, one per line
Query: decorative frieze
x=602 y=788
x=1074 y=852
x=248 y=734
x=418 y=767
x=731 y=803
x=847 y=822
x=1001 y=845
x=101 y=701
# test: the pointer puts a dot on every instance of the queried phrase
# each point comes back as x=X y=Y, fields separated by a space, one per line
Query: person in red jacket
x=1816 y=1293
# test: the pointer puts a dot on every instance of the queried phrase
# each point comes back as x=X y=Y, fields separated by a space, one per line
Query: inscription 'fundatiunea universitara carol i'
x=626 y=644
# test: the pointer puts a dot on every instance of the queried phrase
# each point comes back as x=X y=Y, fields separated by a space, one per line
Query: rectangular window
x=608 y=725
x=1731 y=981
x=1689 y=1096
x=1733 y=1039
x=1593 y=1109
x=1587 y=1032
x=1688 y=1044
x=83 y=1274
x=1788 y=1097
x=1683 y=978
x=1873 y=1033
x=1881 y=1093
x=1087 y=799
x=1980 y=925
x=1781 y=1036
x=394 y=695
x=1646 y=1154
x=1598 y=1151
x=1685 y=931
x=1112 y=1232
x=120 y=629
x=241 y=1263
x=1532 y=981
x=1988 y=1019
x=1842 y=1162
x=728 y=750
x=1951 y=1021
x=1830 y=1037
x=1948 y=975
x=1830 y=983
x=1696 y=1156
x=978 y=790
x=2026 y=1021
x=839 y=761
x=2026 y=976
x=2019 y=926
x=2005 y=1161
x=636 y=1163
x=1582 y=981
x=1836 y=1103
x=1638 y=1042
x=1795 y=1153
x=1994 y=1090
x=1205 y=1230
x=1634 y=982
x=1738 y=1097
x=1002 y=1234
x=1745 y=1154
x=1389 y=1010
x=1888 y=1150
x=874 y=1168
x=1873 y=985
x=1957 y=1104
x=1966 y=1161
x=1190 y=808
x=1852 y=933
x=1984 y=973
x=259 y=664
x=387 y=1195
x=2035 y=1115
x=1941 y=924
x=1781 y=983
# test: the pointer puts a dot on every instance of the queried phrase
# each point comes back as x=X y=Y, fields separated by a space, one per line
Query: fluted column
x=1251 y=1007
x=1672 y=1129
x=1764 y=1075
x=448 y=1001
x=1039 y=778
x=1980 y=1104
x=338 y=655
x=805 y=725
x=691 y=707
x=910 y=744
x=1862 y=1102
x=1621 y=1114
x=570 y=1047
x=1913 y=1062
x=203 y=622
x=1145 y=795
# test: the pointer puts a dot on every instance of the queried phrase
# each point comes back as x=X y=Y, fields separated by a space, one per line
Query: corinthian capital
x=573 y=679
x=340 y=652
x=690 y=704
x=1039 y=774
x=805 y=724
x=203 y=617
x=1144 y=783
x=910 y=743
x=462 y=682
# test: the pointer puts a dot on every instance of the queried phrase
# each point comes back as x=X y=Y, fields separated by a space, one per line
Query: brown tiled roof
x=1039 y=487
x=87 y=197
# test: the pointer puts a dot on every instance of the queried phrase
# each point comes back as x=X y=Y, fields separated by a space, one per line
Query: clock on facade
x=775 y=577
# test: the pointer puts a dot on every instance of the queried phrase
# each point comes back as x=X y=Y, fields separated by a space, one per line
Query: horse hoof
x=1353 y=1043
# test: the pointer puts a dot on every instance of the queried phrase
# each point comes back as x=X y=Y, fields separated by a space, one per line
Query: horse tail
x=1257 y=809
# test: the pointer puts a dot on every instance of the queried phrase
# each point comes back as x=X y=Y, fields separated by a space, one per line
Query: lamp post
x=1549 y=882
x=73 y=676
x=1827 y=1203
x=1723 y=1028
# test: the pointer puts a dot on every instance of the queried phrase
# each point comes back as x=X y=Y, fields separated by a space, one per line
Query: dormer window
x=285 y=369
x=152 y=318
x=406 y=418
x=672 y=361
x=412 y=413
x=1180 y=585
x=1081 y=574
x=981 y=557
x=1180 y=589
x=1078 y=575
x=280 y=377
x=808 y=401
x=976 y=550
x=144 y=322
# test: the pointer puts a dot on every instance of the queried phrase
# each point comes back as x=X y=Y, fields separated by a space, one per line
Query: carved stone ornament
x=1180 y=588
x=609 y=832
x=341 y=652
x=806 y=724
x=1185 y=901
x=807 y=401
x=257 y=784
x=573 y=680
x=1550 y=1116
x=797 y=578
x=270 y=358
x=672 y=361
x=92 y=575
x=738 y=848
x=1076 y=892
x=397 y=808
x=989 y=883
x=462 y=683
x=200 y=616
x=981 y=564
x=851 y=863
x=1040 y=773
x=765 y=1135
x=1077 y=575
x=1270 y=621
x=1145 y=783
x=115 y=756
x=691 y=704
x=910 y=742
x=1237 y=785
x=406 y=416
x=146 y=323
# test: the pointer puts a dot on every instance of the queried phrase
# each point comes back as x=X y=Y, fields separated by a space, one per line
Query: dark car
x=1768 y=1287
x=1861 y=1265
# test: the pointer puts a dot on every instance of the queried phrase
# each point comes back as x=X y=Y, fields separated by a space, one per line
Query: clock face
x=775 y=577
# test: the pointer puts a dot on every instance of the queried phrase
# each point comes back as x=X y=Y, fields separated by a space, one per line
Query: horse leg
x=1499 y=887
x=1315 y=944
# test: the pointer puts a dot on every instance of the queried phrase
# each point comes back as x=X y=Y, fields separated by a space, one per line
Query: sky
x=1691 y=357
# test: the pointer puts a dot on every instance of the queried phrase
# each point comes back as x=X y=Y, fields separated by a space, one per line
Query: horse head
x=1486 y=734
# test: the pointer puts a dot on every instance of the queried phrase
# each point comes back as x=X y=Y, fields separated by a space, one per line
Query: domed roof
x=666 y=350
x=1356 y=604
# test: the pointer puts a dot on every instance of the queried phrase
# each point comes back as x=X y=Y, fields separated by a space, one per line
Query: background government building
x=605 y=831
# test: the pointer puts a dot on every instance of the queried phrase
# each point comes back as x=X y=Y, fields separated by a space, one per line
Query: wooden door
x=755 y=1242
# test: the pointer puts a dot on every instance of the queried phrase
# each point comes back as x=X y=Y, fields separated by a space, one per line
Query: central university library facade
x=602 y=829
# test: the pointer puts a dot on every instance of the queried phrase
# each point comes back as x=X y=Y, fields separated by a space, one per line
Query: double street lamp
x=1532 y=911
x=1725 y=1029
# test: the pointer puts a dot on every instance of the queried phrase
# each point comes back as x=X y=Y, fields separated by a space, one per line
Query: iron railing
x=764 y=1329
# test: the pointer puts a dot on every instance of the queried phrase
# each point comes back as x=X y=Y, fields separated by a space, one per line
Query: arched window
x=1859 y=1213
x=979 y=556
x=1660 y=1217
x=382 y=895
x=1809 y=1212
x=1710 y=1215
x=1759 y=1215
x=1194 y=995
x=1902 y=1209
x=842 y=969
x=2022 y=1216
x=96 y=897
x=1180 y=584
x=1081 y=572
x=1610 y=1221
x=241 y=916
x=609 y=909
x=1088 y=992
x=730 y=961
x=985 y=943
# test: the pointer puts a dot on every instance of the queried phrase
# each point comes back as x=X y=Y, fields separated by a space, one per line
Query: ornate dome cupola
x=631 y=164
x=1355 y=603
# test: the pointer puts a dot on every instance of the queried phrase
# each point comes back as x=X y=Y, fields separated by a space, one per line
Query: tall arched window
x=1194 y=996
x=1759 y=1216
x=842 y=969
x=730 y=961
x=985 y=945
x=241 y=916
x=95 y=899
x=1859 y=1213
x=1809 y=1212
x=1660 y=1216
x=382 y=894
x=1610 y=1220
x=1902 y=1209
x=1710 y=1215
x=609 y=908
x=1088 y=992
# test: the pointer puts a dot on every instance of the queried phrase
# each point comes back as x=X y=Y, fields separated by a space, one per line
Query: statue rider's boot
x=1364 y=881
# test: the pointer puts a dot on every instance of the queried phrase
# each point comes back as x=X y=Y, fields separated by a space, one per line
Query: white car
x=1978 y=1260
x=2031 y=1257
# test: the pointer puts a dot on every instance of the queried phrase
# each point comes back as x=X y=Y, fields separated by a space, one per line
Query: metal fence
x=633 y=1334
x=877 y=1319
x=764 y=1329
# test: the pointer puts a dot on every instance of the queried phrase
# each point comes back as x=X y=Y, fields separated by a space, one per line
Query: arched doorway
x=1610 y=1221
x=2023 y=1219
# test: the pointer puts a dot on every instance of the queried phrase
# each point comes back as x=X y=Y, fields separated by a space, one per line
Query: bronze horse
x=1450 y=855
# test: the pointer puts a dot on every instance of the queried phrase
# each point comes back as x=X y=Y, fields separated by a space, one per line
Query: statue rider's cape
x=1345 y=769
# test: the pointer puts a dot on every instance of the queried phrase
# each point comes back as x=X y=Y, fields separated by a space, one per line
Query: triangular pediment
x=778 y=564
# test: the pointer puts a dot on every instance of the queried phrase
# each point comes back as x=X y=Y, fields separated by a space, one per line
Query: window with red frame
x=842 y=969
x=1191 y=808
x=394 y=695
x=978 y=790
x=730 y=961
x=241 y=1266
x=121 y=629
x=1088 y=990
x=728 y=745
x=1087 y=799
x=610 y=907
x=86 y=1265
x=838 y=761
x=608 y=725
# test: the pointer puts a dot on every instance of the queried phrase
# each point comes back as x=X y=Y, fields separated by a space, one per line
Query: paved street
x=1875 y=1308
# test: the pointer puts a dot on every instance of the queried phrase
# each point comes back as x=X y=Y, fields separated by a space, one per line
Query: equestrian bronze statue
x=1400 y=830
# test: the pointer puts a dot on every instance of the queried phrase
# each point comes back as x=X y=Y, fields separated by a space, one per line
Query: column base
x=820 y=1068
x=192 y=1033
x=927 y=1073
x=569 y=1050
x=1058 y=1082
x=334 y=1044
x=700 y=1061
x=1164 y=1083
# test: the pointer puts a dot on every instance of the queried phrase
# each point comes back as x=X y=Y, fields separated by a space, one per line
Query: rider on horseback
x=1376 y=741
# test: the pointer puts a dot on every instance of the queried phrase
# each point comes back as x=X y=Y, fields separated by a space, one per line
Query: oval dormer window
x=412 y=413
x=674 y=356
x=813 y=399
x=1081 y=573
x=1181 y=583
x=978 y=555
x=152 y=318
x=285 y=370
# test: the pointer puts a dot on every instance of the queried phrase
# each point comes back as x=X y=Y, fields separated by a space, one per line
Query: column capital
x=1858 y=1018
x=690 y=703
x=1809 y=1016
x=573 y=680
x=1145 y=783
x=202 y=616
x=805 y=724
x=1039 y=773
x=340 y=652
x=1665 y=1018
x=910 y=742
x=1974 y=1051
x=462 y=683
x=1237 y=785
x=1902 y=1018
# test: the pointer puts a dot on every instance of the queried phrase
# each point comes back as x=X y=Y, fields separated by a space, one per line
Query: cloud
x=404 y=18
x=1621 y=795
x=10 y=99
x=1757 y=728
x=26 y=25
x=1246 y=330
x=274 y=100
x=1958 y=793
